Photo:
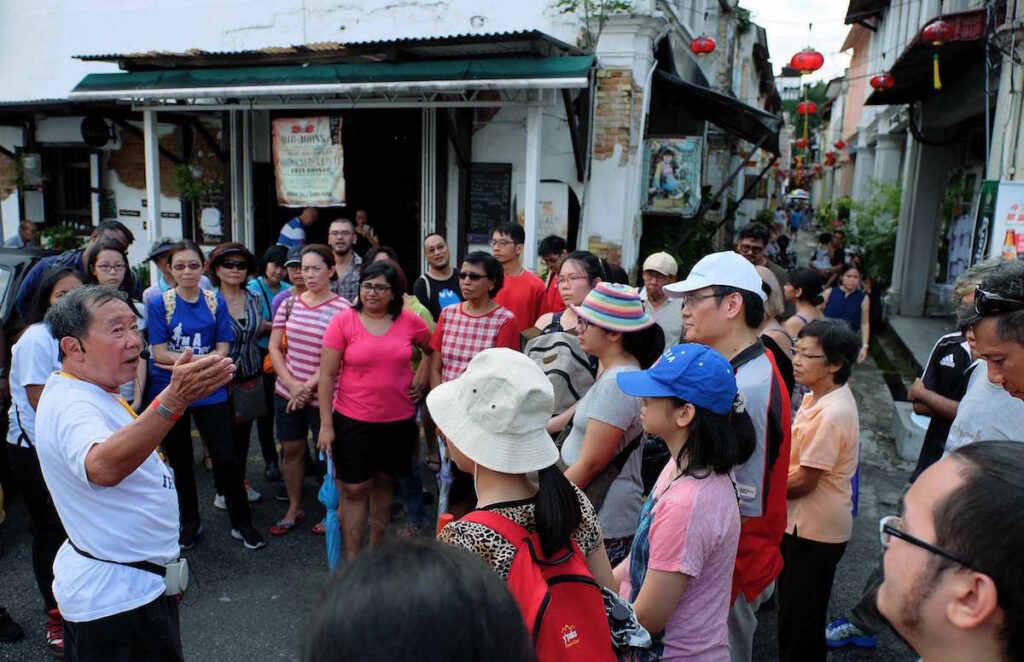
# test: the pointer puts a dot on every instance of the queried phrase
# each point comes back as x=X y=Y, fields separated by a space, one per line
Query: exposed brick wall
x=8 y=173
x=129 y=162
x=617 y=112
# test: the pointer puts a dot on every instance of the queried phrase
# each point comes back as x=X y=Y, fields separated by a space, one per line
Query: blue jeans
x=410 y=490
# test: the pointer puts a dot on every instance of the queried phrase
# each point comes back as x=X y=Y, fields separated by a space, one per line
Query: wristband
x=165 y=411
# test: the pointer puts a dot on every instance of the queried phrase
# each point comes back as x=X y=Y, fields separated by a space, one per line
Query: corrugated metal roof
x=528 y=42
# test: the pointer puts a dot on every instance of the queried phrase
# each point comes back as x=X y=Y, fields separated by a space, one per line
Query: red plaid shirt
x=459 y=337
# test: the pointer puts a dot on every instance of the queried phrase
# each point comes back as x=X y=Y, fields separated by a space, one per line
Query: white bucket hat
x=497 y=411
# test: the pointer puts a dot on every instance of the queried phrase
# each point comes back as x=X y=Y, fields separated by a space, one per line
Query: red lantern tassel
x=936 y=81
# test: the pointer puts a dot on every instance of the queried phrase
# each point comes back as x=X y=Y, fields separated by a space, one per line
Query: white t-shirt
x=986 y=412
x=33 y=358
x=136 y=520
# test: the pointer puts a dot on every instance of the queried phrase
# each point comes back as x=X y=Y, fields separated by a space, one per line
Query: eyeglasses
x=234 y=264
x=582 y=325
x=340 y=233
x=187 y=266
x=464 y=275
x=110 y=268
x=379 y=288
x=691 y=299
x=501 y=242
x=562 y=280
x=891 y=526
x=753 y=250
x=987 y=304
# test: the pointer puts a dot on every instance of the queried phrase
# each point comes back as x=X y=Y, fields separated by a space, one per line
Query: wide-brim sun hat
x=614 y=307
x=496 y=413
x=224 y=251
x=727 y=269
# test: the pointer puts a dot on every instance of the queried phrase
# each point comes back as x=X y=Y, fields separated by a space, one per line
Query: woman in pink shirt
x=370 y=427
x=304 y=319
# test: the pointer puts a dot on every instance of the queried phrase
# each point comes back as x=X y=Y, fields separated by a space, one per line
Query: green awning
x=326 y=79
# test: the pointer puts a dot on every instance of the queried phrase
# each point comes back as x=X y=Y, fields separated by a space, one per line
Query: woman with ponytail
x=678 y=574
x=492 y=419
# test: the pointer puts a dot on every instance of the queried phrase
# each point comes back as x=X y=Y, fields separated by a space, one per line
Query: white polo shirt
x=135 y=520
x=33 y=358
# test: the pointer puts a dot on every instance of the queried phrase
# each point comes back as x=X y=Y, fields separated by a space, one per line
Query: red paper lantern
x=839 y=144
x=830 y=158
x=883 y=81
x=702 y=45
x=807 y=61
x=801 y=143
x=807 y=108
x=937 y=32
x=817 y=168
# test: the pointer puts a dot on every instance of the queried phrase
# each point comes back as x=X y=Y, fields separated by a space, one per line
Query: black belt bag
x=174 y=574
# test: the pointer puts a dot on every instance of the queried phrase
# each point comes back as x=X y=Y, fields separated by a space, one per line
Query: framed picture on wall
x=672 y=167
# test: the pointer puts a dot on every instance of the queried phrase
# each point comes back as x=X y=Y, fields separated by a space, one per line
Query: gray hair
x=1007 y=280
x=966 y=282
x=71 y=315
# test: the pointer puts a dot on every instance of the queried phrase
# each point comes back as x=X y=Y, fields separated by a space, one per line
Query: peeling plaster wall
x=39 y=37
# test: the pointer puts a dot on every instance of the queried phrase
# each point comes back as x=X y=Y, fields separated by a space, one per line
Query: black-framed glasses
x=989 y=303
x=690 y=299
x=379 y=288
x=891 y=526
x=468 y=275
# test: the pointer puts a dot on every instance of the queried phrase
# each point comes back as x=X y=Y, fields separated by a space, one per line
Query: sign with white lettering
x=309 y=162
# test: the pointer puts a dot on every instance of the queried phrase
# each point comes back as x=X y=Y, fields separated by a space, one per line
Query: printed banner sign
x=309 y=162
x=1007 y=240
x=672 y=175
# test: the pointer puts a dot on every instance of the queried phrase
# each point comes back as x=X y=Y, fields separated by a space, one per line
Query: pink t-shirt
x=694 y=529
x=304 y=331
x=374 y=380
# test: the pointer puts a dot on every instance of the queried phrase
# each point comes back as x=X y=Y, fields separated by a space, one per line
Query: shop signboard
x=309 y=162
x=672 y=175
x=490 y=199
x=1007 y=238
x=983 y=217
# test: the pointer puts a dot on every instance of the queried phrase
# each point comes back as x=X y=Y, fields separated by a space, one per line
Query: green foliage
x=874 y=224
x=59 y=238
x=824 y=214
x=743 y=20
x=765 y=217
x=595 y=15
x=142 y=273
x=845 y=204
x=815 y=93
x=194 y=184
x=661 y=234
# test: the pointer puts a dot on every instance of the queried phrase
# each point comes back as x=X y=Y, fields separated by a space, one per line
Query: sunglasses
x=466 y=275
x=987 y=304
x=891 y=526
x=234 y=264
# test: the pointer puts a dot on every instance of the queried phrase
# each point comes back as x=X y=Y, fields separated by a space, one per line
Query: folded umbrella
x=328 y=496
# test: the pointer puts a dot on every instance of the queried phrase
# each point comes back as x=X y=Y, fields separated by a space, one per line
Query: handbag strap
x=147 y=566
x=622 y=457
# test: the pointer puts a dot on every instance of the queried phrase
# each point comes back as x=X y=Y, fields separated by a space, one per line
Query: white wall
x=39 y=37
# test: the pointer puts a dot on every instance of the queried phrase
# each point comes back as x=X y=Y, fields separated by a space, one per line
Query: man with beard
x=347 y=264
x=439 y=287
x=953 y=580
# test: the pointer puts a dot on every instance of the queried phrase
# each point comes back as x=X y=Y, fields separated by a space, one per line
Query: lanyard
x=119 y=399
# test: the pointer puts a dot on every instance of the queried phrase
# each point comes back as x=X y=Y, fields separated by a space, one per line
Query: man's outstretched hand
x=193 y=379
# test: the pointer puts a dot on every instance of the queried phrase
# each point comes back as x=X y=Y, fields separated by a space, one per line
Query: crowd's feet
x=55 y=633
x=272 y=472
x=190 y=531
x=9 y=630
x=842 y=633
x=251 y=493
x=250 y=537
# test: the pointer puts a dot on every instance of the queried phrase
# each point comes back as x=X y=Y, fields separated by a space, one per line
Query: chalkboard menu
x=490 y=198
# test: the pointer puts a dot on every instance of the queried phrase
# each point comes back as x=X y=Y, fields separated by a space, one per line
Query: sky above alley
x=785 y=22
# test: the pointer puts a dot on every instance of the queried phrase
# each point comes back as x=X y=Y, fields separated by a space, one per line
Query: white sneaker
x=251 y=493
x=218 y=502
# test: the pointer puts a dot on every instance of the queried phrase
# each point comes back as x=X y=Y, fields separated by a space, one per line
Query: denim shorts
x=295 y=425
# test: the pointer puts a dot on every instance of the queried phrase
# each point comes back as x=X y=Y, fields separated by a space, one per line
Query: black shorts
x=295 y=425
x=364 y=449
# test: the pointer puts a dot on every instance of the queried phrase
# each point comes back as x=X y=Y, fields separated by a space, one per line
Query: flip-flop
x=284 y=528
x=319 y=529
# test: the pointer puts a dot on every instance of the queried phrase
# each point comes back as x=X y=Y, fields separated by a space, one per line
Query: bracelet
x=165 y=411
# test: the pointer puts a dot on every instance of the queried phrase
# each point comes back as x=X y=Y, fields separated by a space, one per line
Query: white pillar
x=428 y=179
x=151 y=150
x=864 y=169
x=888 y=152
x=534 y=119
x=248 y=230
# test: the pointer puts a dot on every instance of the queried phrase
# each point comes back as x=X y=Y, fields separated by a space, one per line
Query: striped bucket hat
x=614 y=307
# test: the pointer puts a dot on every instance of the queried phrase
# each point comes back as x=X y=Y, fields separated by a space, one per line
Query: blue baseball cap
x=691 y=372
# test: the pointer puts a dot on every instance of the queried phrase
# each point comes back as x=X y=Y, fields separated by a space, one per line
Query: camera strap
x=147 y=566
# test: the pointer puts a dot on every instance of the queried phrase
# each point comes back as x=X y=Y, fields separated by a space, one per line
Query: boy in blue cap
x=678 y=574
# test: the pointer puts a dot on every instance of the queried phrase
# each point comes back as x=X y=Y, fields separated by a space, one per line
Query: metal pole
x=151 y=147
x=534 y=119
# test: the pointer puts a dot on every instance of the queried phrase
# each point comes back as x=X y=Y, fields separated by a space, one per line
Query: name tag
x=746 y=492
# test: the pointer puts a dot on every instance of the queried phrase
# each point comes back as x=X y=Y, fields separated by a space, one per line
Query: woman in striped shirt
x=303 y=319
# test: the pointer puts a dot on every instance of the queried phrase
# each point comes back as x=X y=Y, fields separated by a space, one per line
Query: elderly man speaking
x=117 y=577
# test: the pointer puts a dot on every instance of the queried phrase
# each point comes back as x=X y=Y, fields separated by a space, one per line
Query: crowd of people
x=699 y=458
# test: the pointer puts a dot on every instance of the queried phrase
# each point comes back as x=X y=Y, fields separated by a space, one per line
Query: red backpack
x=560 y=601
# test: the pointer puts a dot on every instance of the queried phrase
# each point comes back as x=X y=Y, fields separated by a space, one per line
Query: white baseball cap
x=726 y=268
